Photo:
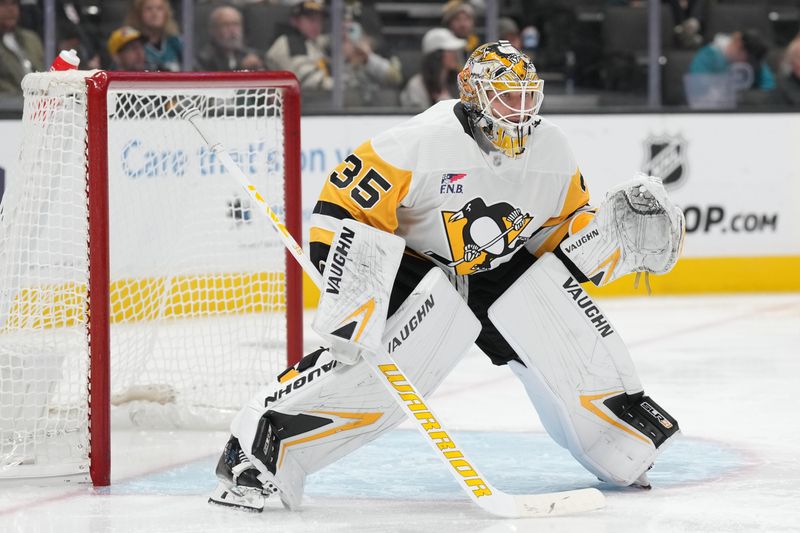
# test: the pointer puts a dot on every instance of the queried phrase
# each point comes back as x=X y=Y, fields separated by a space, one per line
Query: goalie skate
x=241 y=485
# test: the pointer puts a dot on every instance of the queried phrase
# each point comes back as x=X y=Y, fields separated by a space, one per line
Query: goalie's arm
x=574 y=214
x=364 y=187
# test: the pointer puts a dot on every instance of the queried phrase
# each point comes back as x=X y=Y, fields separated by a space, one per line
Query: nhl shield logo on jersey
x=477 y=234
x=665 y=157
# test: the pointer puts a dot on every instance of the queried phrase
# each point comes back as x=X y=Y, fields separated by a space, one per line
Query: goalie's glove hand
x=345 y=352
x=516 y=218
x=637 y=228
x=652 y=228
x=642 y=199
x=471 y=252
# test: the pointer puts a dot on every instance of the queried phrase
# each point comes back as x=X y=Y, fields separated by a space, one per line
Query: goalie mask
x=500 y=88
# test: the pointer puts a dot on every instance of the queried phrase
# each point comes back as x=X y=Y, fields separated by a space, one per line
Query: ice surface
x=727 y=367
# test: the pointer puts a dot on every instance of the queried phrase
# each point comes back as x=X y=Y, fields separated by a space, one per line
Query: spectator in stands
x=301 y=49
x=74 y=30
x=126 y=48
x=163 y=46
x=226 y=49
x=441 y=63
x=508 y=30
x=789 y=81
x=742 y=55
x=367 y=74
x=21 y=50
x=688 y=16
x=458 y=16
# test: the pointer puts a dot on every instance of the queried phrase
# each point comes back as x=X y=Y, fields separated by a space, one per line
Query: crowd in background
x=749 y=51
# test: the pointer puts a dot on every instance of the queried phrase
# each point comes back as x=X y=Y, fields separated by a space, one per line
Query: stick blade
x=542 y=505
x=559 y=503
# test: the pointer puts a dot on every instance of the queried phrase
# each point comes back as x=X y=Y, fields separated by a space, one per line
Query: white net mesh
x=197 y=278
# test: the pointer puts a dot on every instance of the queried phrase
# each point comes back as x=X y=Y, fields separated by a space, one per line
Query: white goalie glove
x=637 y=229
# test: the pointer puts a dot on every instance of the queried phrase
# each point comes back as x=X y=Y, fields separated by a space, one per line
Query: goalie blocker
x=579 y=375
x=356 y=289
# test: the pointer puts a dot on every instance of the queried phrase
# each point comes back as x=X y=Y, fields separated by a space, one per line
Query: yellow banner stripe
x=141 y=299
x=696 y=275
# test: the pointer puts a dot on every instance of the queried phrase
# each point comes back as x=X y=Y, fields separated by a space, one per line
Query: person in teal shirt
x=162 y=44
x=742 y=54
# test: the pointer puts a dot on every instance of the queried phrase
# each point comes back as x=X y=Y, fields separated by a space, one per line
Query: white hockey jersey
x=467 y=208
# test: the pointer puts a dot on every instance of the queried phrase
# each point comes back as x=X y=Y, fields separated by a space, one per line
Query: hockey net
x=191 y=296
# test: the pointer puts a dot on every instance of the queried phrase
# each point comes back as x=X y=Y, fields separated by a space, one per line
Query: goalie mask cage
x=133 y=270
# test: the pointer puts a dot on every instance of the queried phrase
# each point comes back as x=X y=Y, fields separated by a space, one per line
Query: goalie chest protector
x=429 y=181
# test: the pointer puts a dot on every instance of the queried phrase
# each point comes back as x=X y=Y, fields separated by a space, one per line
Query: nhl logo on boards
x=449 y=184
x=665 y=157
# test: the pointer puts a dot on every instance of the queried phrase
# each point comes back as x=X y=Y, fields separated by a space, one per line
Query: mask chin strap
x=520 y=144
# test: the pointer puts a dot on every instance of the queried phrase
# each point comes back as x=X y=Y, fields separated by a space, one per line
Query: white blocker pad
x=575 y=367
x=358 y=279
x=346 y=406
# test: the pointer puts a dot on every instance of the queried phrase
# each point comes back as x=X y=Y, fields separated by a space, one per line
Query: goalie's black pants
x=482 y=289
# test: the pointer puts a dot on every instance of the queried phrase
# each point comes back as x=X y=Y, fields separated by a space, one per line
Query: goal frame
x=98 y=295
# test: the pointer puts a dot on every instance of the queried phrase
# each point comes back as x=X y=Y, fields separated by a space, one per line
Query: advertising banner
x=737 y=177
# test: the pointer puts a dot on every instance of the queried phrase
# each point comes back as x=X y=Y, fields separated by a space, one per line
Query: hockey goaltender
x=469 y=223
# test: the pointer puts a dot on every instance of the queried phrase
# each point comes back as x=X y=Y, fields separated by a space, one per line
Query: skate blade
x=249 y=500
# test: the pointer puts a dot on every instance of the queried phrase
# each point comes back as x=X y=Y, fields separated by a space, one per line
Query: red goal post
x=189 y=287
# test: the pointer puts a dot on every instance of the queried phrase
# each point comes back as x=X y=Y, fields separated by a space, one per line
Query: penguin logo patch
x=478 y=233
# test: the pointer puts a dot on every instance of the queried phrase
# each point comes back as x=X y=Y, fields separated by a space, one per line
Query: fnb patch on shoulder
x=448 y=184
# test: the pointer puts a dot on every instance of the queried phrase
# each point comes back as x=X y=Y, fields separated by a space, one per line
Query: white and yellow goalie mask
x=500 y=88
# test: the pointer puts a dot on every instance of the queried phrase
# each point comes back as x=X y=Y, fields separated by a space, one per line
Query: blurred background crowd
x=402 y=56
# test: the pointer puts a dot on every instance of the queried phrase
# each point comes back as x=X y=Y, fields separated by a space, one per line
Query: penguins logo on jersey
x=478 y=233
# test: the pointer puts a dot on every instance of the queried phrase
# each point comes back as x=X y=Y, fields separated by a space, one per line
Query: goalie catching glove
x=637 y=229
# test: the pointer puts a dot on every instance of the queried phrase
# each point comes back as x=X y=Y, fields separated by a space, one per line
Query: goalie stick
x=479 y=249
x=398 y=385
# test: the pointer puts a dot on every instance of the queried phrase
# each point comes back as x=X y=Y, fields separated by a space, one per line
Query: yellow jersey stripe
x=321 y=235
x=368 y=188
x=570 y=226
x=577 y=197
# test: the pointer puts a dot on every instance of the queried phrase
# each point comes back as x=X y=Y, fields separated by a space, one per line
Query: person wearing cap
x=367 y=74
x=226 y=49
x=458 y=16
x=301 y=49
x=21 y=50
x=740 y=53
x=126 y=47
x=508 y=30
x=442 y=58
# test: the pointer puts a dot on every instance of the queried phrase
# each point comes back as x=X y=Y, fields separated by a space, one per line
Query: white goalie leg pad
x=359 y=273
x=579 y=374
x=322 y=410
x=637 y=229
